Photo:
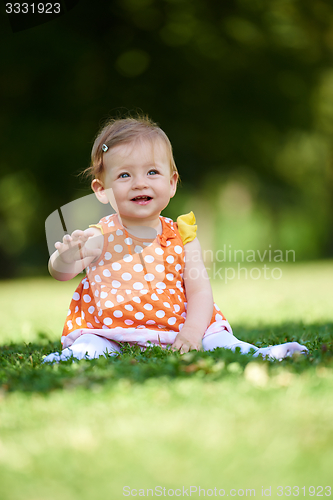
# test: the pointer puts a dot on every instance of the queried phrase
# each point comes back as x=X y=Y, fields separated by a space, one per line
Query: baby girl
x=145 y=277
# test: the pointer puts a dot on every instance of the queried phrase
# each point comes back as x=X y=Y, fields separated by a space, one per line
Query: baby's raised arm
x=75 y=253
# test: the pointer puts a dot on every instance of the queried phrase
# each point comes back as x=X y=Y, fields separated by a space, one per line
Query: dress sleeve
x=187 y=227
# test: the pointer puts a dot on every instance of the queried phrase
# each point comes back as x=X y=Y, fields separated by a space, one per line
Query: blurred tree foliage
x=243 y=88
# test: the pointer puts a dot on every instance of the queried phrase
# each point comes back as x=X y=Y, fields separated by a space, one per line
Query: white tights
x=91 y=346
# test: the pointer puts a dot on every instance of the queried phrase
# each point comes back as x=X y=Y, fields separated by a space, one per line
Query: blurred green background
x=244 y=90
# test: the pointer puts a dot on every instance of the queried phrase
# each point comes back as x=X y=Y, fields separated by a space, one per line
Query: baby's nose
x=140 y=181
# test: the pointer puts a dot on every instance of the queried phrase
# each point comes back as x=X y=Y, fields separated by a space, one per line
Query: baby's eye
x=125 y=173
x=153 y=170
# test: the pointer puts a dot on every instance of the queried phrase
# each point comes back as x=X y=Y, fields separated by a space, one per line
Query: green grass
x=85 y=430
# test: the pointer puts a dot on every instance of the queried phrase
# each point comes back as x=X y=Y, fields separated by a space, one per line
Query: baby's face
x=141 y=168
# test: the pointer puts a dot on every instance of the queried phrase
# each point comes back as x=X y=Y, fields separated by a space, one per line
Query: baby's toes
x=296 y=347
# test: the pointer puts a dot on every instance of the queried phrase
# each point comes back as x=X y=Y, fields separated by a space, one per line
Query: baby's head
x=126 y=131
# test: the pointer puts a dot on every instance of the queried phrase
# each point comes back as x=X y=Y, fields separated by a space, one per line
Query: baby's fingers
x=65 y=242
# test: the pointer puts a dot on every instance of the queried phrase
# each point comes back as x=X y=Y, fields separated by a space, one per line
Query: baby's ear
x=99 y=191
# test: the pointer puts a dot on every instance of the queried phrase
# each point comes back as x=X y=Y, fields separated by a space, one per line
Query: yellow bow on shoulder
x=187 y=227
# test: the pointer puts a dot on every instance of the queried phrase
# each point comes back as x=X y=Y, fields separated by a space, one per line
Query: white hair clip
x=105 y=148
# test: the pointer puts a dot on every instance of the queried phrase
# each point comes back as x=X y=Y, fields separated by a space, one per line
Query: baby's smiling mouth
x=143 y=198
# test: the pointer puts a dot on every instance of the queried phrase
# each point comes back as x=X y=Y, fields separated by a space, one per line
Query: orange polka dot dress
x=135 y=291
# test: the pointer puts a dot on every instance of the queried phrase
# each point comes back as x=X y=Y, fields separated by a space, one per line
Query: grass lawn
x=219 y=421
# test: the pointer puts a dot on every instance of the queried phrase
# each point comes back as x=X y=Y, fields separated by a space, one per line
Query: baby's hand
x=187 y=340
x=74 y=247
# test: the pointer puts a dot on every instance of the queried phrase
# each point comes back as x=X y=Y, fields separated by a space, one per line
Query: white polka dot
x=166 y=304
x=109 y=304
x=183 y=315
x=179 y=298
x=107 y=321
x=89 y=325
x=149 y=277
x=149 y=259
x=180 y=326
x=128 y=307
x=96 y=320
x=154 y=297
x=104 y=295
x=137 y=300
x=160 y=284
x=111 y=223
x=143 y=291
x=159 y=268
x=128 y=258
x=128 y=292
x=86 y=285
x=178 y=249
x=159 y=251
x=101 y=263
x=106 y=273
x=172 y=321
x=160 y=313
x=137 y=285
x=78 y=321
x=70 y=312
x=126 y=276
x=128 y=241
x=128 y=322
x=120 y=298
x=139 y=315
x=159 y=290
x=179 y=284
x=107 y=256
x=169 y=276
x=91 y=309
x=98 y=303
x=82 y=314
x=216 y=307
x=119 y=232
x=76 y=309
x=150 y=322
x=69 y=324
x=138 y=268
x=218 y=317
x=178 y=267
x=93 y=268
x=115 y=266
x=118 y=248
x=138 y=249
x=87 y=298
x=116 y=283
x=114 y=291
x=170 y=259
x=117 y=314
x=100 y=312
x=98 y=278
x=148 y=307
x=76 y=296
x=171 y=291
x=176 y=308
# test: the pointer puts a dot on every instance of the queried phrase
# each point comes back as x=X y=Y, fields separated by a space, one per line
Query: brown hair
x=118 y=131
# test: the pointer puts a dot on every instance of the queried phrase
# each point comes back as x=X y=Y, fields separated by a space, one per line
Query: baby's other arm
x=199 y=296
x=75 y=253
